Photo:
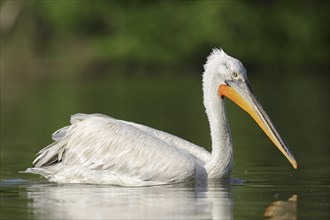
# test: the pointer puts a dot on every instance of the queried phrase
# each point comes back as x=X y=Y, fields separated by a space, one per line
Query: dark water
x=272 y=188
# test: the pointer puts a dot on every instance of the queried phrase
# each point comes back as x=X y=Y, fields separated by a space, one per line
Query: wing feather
x=105 y=144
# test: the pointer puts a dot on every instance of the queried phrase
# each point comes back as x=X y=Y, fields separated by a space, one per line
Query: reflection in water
x=180 y=201
x=285 y=210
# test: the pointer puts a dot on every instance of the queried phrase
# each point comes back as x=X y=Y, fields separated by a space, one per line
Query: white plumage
x=99 y=149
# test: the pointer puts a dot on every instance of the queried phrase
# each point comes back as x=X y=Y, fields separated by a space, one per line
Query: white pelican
x=103 y=150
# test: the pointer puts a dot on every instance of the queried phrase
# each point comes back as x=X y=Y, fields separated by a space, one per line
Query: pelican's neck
x=222 y=151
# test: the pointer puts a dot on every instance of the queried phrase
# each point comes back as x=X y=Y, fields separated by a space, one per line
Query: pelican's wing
x=113 y=148
x=193 y=149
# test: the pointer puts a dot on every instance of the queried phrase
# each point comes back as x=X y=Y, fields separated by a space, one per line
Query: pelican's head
x=225 y=76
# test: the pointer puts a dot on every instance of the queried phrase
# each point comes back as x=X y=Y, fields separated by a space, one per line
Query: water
x=267 y=186
x=257 y=199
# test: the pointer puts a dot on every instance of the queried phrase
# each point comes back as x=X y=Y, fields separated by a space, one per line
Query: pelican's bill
x=242 y=95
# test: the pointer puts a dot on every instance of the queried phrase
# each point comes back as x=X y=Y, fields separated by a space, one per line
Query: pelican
x=99 y=149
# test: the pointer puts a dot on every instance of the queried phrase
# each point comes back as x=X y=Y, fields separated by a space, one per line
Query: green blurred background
x=142 y=61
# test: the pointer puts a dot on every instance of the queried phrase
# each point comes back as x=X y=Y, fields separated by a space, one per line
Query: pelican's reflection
x=279 y=210
x=179 y=201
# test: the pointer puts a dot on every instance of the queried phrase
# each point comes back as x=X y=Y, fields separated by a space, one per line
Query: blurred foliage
x=70 y=38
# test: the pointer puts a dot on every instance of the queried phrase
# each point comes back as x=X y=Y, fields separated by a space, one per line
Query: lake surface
x=262 y=197
x=266 y=186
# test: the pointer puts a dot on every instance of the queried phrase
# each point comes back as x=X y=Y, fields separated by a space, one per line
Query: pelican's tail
x=39 y=171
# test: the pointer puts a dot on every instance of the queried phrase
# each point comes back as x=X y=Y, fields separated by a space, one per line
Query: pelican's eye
x=234 y=75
